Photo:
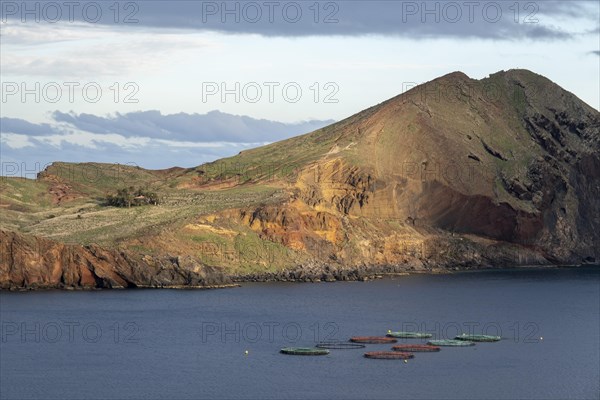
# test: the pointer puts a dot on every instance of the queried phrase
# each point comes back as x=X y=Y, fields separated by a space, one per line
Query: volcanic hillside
x=456 y=173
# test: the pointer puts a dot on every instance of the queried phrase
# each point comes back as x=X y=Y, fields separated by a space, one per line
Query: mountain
x=454 y=174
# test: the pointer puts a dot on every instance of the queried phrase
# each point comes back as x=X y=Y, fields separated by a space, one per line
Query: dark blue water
x=150 y=344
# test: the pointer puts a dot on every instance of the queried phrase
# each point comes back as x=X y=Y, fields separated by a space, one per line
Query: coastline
x=300 y=276
x=379 y=273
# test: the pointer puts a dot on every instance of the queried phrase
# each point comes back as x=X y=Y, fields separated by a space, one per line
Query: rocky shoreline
x=361 y=274
x=301 y=276
x=34 y=263
x=325 y=274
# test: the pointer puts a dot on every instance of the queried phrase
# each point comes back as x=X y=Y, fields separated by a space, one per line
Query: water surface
x=150 y=344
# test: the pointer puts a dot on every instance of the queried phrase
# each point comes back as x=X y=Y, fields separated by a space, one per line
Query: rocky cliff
x=456 y=173
x=38 y=263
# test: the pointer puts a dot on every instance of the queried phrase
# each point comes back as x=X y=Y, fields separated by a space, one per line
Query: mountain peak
x=452 y=78
x=456 y=75
x=447 y=175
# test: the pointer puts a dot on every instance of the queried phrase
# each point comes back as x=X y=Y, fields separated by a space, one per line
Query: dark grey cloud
x=20 y=126
x=596 y=52
x=412 y=19
x=210 y=127
x=214 y=126
x=185 y=140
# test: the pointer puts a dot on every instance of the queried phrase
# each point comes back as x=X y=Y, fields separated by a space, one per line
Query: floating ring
x=304 y=351
x=339 y=345
x=373 y=339
x=389 y=355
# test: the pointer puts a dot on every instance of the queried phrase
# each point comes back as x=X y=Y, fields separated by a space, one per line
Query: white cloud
x=16 y=141
x=17 y=34
x=75 y=51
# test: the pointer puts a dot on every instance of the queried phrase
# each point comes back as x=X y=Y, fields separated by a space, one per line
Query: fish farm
x=409 y=335
x=389 y=355
x=414 y=348
x=451 y=342
x=304 y=351
x=373 y=339
x=398 y=352
x=478 y=338
x=339 y=345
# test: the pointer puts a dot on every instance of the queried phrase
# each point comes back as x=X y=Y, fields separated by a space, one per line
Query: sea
x=225 y=343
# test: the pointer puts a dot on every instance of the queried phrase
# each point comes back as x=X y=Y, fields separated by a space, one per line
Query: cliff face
x=519 y=166
x=38 y=263
x=456 y=173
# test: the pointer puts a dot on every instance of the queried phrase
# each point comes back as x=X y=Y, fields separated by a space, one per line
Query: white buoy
x=246 y=352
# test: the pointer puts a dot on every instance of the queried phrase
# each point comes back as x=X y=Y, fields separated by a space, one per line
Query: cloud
x=411 y=19
x=214 y=126
x=146 y=138
x=16 y=141
x=596 y=52
x=39 y=34
x=80 y=50
x=210 y=127
x=20 y=126
x=151 y=156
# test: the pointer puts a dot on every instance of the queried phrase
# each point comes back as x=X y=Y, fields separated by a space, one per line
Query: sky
x=179 y=83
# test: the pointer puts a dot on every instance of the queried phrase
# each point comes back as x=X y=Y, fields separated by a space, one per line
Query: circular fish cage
x=304 y=351
x=451 y=343
x=416 y=348
x=389 y=355
x=339 y=345
x=478 y=338
x=373 y=339
x=410 y=335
